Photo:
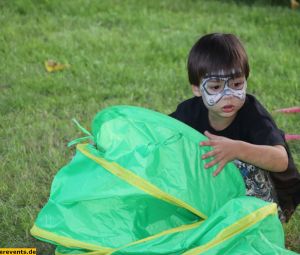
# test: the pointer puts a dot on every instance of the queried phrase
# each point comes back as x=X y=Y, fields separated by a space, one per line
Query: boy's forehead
x=234 y=73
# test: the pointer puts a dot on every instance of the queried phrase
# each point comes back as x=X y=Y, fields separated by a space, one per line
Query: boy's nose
x=227 y=92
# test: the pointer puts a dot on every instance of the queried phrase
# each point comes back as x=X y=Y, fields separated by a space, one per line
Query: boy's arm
x=271 y=158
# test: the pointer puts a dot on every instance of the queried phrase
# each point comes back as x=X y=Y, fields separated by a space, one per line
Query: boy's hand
x=224 y=150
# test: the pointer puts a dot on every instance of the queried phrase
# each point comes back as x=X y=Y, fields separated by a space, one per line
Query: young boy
x=237 y=125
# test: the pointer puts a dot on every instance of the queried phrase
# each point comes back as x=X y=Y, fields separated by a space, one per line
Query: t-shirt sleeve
x=178 y=113
x=183 y=112
x=262 y=130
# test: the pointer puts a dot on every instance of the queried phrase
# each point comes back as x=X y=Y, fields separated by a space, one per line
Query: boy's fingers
x=207 y=143
x=219 y=169
x=211 y=163
x=209 y=154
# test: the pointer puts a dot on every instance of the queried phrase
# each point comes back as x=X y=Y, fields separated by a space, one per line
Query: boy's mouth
x=228 y=108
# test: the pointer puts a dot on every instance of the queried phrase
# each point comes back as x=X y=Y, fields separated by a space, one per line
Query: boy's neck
x=219 y=123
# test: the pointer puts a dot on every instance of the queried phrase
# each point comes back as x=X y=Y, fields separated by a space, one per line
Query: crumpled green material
x=141 y=188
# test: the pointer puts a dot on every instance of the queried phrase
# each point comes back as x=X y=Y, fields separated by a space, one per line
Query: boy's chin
x=228 y=114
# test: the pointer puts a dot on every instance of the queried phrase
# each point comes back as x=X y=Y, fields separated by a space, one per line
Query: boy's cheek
x=196 y=91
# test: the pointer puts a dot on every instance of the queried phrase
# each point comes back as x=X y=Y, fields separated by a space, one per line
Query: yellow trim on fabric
x=68 y=242
x=236 y=228
x=137 y=181
x=166 y=232
x=86 y=253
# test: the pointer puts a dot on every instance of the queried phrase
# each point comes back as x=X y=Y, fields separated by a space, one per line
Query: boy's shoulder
x=253 y=107
x=190 y=103
x=190 y=106
x=260 y=125
x=190 y=110
x=252 y=101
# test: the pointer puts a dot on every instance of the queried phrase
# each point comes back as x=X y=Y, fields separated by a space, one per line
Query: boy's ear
x=196 y=90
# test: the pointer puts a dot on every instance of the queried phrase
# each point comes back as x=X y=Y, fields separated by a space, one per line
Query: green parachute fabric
x=142 y=188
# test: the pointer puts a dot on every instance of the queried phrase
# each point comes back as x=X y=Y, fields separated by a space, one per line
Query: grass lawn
x=119 y=52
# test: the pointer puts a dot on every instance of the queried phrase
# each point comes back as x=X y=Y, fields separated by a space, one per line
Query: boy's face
x=222 y=94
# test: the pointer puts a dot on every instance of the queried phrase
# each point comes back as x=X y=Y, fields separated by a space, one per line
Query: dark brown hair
x=215 y=52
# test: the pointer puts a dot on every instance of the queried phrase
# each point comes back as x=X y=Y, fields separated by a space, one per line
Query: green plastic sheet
x=141 y=188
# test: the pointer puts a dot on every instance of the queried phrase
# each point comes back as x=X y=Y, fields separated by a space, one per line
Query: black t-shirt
x=253 y=124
